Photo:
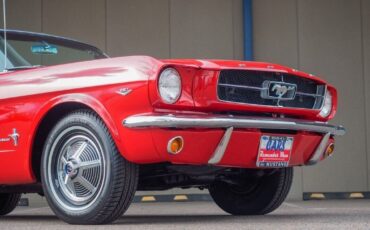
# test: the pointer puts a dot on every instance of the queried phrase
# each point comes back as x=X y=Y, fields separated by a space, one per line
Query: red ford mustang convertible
x=88 y=131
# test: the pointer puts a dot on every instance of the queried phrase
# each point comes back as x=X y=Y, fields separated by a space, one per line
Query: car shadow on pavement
x=189 y=219
x=27 y=217
x=272 y=218
x=169 y=219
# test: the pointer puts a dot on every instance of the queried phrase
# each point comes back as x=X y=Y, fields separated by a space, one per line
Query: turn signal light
x=329 y=150
x=175 y=145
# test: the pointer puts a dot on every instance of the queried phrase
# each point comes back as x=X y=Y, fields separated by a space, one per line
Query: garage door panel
x=202 y=29
x=330 y=46
x=135 y=27
x=79 y=19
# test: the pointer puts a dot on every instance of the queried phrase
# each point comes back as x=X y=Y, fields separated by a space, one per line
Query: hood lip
x=221 y=64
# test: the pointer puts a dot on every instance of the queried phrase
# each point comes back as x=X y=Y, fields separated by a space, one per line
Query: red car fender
x=84 y=99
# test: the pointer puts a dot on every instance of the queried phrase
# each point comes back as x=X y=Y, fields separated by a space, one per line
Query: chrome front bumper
x=214 y=122
x=231 y=122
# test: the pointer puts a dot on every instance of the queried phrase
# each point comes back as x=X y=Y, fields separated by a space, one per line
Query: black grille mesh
x=309 y=93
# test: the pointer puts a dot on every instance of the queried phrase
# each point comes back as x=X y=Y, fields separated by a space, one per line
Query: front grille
x=249 y=87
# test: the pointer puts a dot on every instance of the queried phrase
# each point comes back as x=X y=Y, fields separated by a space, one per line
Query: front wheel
x=84 y=177
x=255 y=195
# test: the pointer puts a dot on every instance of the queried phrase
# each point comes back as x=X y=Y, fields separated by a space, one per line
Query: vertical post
x=248 y=30
x=5 y=39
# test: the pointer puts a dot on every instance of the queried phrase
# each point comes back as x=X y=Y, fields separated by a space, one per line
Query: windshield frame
x=58 y=40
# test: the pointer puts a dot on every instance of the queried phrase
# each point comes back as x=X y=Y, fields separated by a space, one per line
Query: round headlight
x=326 y=108
x=169 y=85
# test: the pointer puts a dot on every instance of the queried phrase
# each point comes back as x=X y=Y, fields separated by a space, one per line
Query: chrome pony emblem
x=281 y=90
x=278 y=90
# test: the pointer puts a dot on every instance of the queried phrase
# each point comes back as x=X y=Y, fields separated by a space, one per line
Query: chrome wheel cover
x=76 y=168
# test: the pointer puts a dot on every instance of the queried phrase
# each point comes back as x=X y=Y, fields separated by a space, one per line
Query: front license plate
x=274 y=151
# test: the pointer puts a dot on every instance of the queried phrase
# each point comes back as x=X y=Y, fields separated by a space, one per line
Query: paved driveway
x=342 y=214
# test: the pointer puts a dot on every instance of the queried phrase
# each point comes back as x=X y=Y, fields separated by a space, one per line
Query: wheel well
x=44 y=128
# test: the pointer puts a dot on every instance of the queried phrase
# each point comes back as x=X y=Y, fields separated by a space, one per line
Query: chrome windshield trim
x=215 y=121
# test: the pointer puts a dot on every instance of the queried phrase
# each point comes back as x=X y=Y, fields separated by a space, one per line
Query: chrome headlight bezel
x=327 y=105
x=169 y=85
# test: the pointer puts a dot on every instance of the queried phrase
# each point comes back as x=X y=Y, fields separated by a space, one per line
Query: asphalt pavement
x=326 y=214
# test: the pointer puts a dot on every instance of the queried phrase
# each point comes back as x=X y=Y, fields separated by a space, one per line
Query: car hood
x=77 y=75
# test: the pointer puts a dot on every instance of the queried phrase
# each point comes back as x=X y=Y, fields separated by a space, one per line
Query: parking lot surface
x=331 y=214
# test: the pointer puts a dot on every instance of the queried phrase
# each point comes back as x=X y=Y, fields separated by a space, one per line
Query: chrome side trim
x=320 y=150
x=189 y=121
x=221 y=147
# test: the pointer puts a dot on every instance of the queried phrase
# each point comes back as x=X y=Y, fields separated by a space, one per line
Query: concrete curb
x=173 y=198
x=335 y=195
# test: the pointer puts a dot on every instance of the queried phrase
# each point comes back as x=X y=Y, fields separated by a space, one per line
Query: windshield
x=26 y=50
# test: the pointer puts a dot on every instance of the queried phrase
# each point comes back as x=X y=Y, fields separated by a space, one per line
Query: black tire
x=8 y=202
x=100 y=184
x=259 y=197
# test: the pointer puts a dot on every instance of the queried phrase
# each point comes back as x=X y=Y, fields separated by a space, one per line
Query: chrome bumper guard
x=231 y=122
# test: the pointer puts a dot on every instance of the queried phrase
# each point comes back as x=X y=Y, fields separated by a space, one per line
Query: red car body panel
x=27 y=96
x=202 y=144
